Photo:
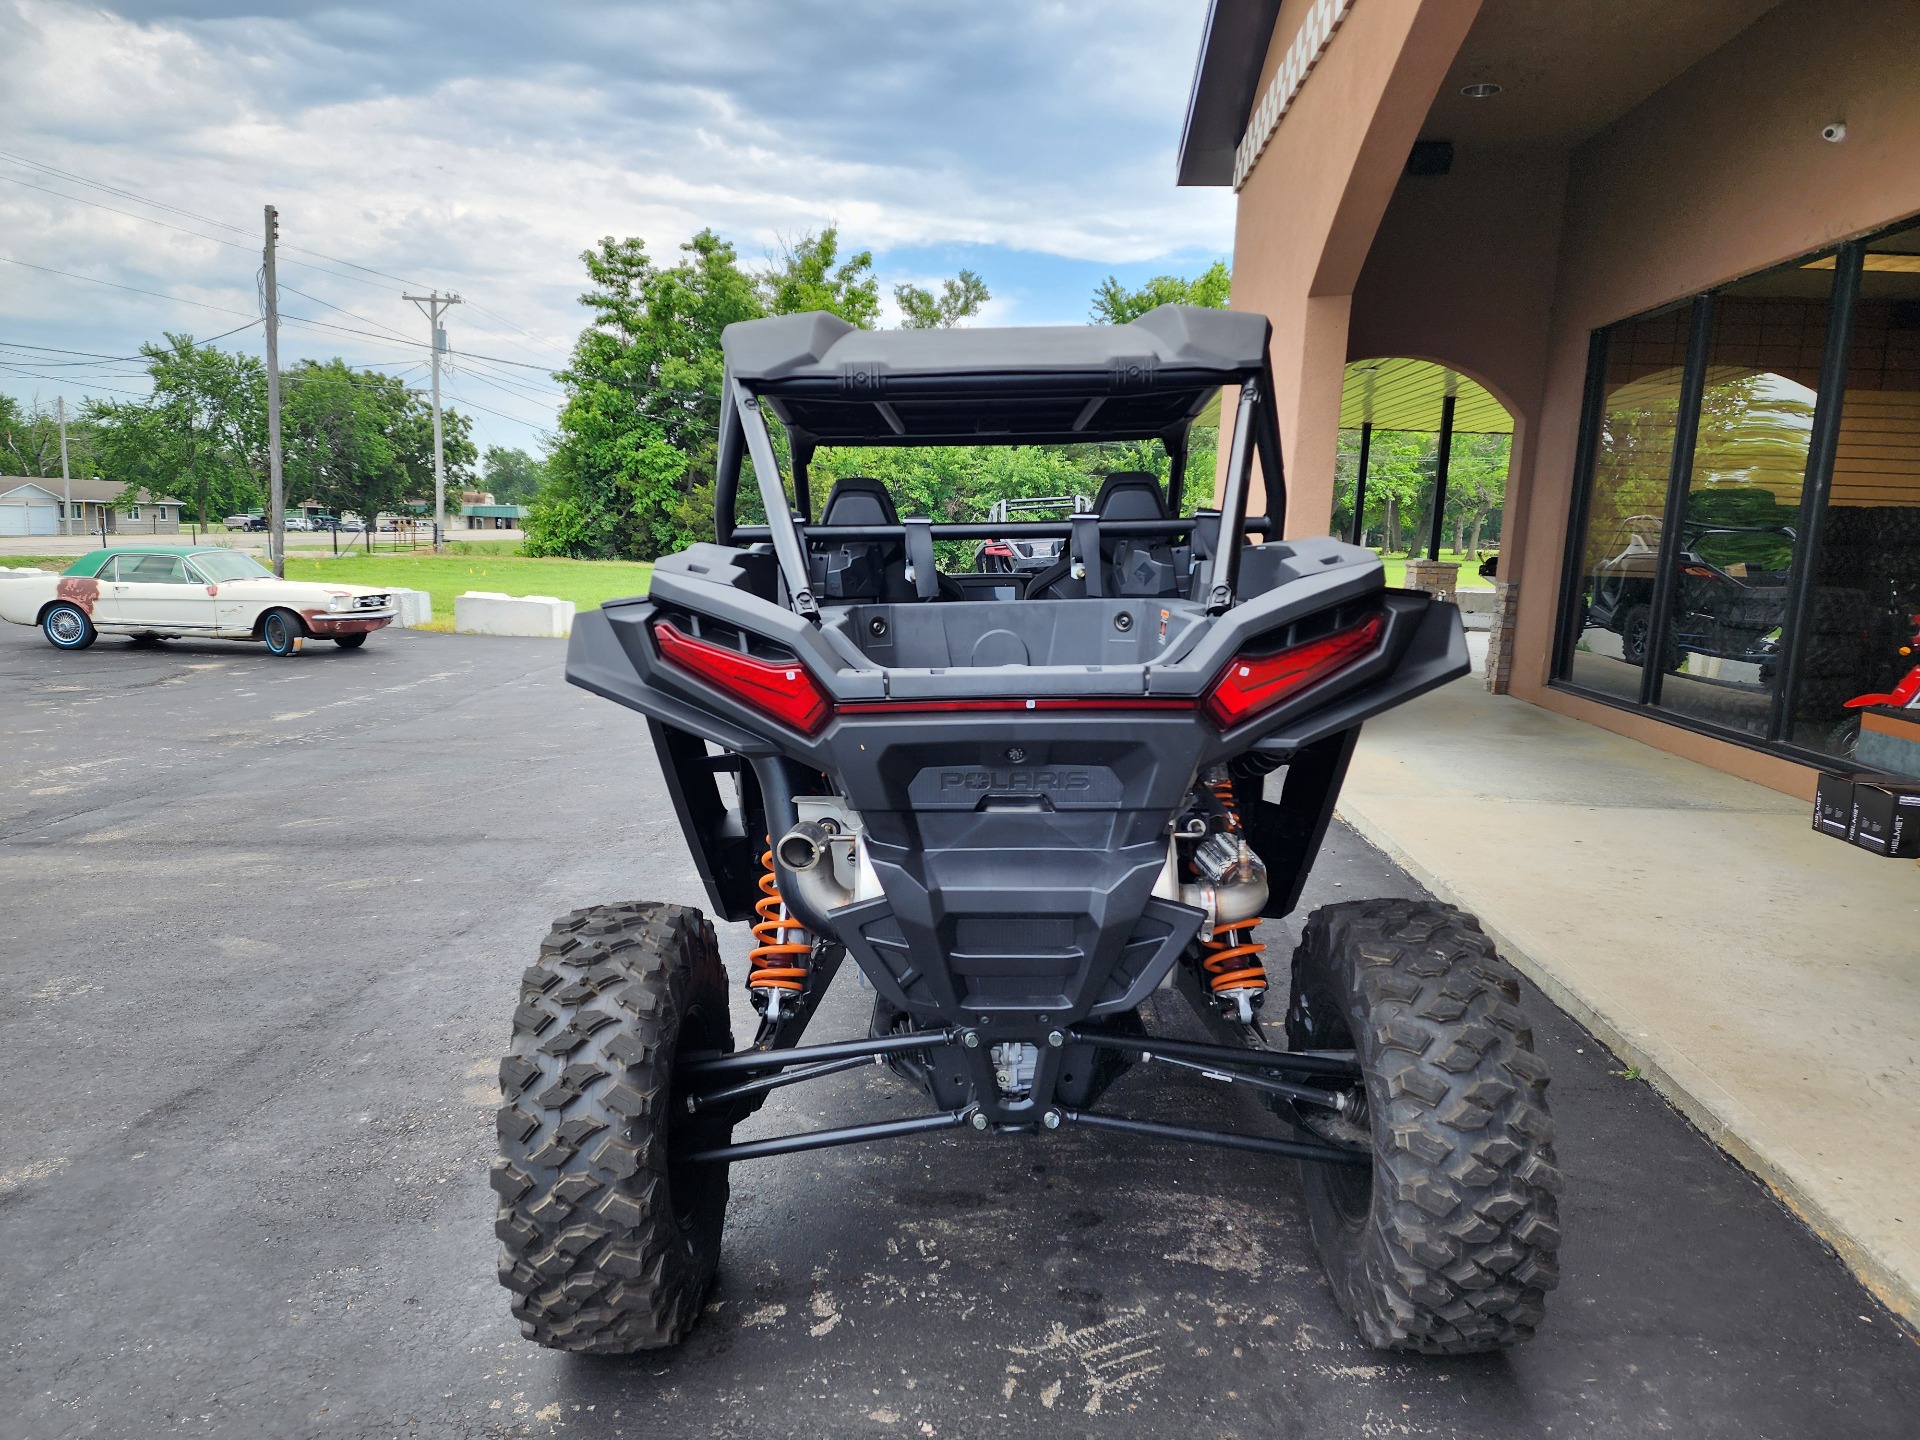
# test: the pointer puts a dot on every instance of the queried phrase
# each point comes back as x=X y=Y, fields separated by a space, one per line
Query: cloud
x=481 y=146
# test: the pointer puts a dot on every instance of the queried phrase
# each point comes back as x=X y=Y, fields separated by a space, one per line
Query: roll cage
x=831 y=384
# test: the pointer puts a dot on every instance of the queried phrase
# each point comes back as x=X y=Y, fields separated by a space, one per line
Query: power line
x=115 y=210
x=497 y=414
x=481 y=370
x=137 y=198
x=344 y=311
x=517 y=395
x=151 y=220
x=116 y=190
x=115 y=284
x=349 y=330
x=73 y=380
x=140 y=199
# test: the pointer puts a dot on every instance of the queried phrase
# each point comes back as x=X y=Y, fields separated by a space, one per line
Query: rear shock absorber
x=778 y=963
x=1235 y=973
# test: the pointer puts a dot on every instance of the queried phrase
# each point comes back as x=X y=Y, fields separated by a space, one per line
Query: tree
x=360 y=442
x=639 y=428
x=512 y=477
x=959 y=299
x=807 y=277
x=30 y=440
x=1114 y=304
x=200 y=434
x=631 y=472
x=1401 y=466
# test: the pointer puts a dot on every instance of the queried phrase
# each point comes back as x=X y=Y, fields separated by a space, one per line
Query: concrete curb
x=1723 y=1120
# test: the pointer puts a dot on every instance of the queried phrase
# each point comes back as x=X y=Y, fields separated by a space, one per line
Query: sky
x=478 y=146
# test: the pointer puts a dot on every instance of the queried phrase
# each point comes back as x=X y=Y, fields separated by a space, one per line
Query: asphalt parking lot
x=261 y=926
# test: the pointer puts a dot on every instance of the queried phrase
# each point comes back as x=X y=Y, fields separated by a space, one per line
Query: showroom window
x=1746 y=552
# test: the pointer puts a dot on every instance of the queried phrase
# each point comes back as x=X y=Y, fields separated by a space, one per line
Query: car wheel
x=67 y=627
x=283 y=632
x=350 y=642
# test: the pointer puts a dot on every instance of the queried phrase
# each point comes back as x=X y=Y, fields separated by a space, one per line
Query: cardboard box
x=1886 y=818
x=1833 y=805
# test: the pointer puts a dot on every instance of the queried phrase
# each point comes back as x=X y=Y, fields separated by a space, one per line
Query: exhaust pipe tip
x=802 y=847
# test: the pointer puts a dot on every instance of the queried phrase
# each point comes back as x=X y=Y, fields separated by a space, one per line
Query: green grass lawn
x=1470 y=577
x=585 y=582
x=37 y=562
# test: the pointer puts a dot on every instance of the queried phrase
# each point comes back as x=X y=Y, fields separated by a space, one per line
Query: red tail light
x=784 y=691
x=1252 y=683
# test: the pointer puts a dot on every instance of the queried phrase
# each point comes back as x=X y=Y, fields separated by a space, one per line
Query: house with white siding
x=40 y=506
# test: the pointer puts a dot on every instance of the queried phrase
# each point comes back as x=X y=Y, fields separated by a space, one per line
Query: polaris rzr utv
x=1021 y=805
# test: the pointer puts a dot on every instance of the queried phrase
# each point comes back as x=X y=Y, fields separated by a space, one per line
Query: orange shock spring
x=778 y=962
x=1232 y=960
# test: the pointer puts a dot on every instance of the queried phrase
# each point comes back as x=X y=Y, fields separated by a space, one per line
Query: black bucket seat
x=1130 y=564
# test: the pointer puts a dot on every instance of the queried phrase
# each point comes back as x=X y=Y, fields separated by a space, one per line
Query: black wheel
x=68 y=627
x=609 y=1239
x=350 y=642
x=1448 y=1243
x=1636 y=629
x=283 y=632
x=1636 y=638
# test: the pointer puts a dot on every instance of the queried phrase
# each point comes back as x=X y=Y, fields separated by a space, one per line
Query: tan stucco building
x=1668 y=239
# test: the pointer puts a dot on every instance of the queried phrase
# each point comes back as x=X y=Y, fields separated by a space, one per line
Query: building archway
x=1407 y=395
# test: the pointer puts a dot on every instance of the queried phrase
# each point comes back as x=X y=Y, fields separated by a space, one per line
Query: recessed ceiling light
x=1484 y=90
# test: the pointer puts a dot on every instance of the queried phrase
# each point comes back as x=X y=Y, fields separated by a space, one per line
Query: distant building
x=493 y=517
x=39 y=507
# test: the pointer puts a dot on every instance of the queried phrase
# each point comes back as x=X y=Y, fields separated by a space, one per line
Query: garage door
x=38 y=518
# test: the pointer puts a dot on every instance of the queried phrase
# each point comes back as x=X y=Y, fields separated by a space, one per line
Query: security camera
x=1833 y=134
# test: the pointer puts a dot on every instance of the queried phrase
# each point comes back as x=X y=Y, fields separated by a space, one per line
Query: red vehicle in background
x=1905 y=695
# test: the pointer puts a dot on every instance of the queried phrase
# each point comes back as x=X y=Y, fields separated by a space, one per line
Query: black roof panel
x=818 y=345
x=840 y=384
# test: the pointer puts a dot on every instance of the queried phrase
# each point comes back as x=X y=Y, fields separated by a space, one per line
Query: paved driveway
x=260 y=927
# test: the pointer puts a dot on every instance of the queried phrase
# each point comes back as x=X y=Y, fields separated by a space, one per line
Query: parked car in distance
x=246 y=522
x=157 y=592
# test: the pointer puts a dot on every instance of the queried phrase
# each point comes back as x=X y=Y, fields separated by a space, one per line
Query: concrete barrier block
x=488 y=612
x=415 y=607
x=1474 y=602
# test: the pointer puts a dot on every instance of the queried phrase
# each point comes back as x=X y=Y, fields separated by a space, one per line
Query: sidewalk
x=1766 y=979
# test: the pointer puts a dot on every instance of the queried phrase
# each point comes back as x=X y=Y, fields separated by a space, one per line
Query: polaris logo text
x=1018 y=782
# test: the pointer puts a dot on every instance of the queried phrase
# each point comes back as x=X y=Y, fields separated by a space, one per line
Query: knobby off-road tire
x=609 y=1240
x=1449 y=1243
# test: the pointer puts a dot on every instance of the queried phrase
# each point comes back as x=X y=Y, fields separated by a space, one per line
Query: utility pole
x=434 y=304
x=276 y=481
x=66 y=480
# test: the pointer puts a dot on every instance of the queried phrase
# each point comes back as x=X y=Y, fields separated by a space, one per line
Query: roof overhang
x=1225 y=81
x=1402 y=394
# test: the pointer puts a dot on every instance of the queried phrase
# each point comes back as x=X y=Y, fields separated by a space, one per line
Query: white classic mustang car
x=156 y=591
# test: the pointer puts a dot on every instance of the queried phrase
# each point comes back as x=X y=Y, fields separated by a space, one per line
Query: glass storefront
x=1627 y=500
x=1747 y=545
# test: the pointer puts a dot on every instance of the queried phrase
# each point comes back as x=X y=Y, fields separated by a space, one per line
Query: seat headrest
x=1130 y=495
x=858 y=500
